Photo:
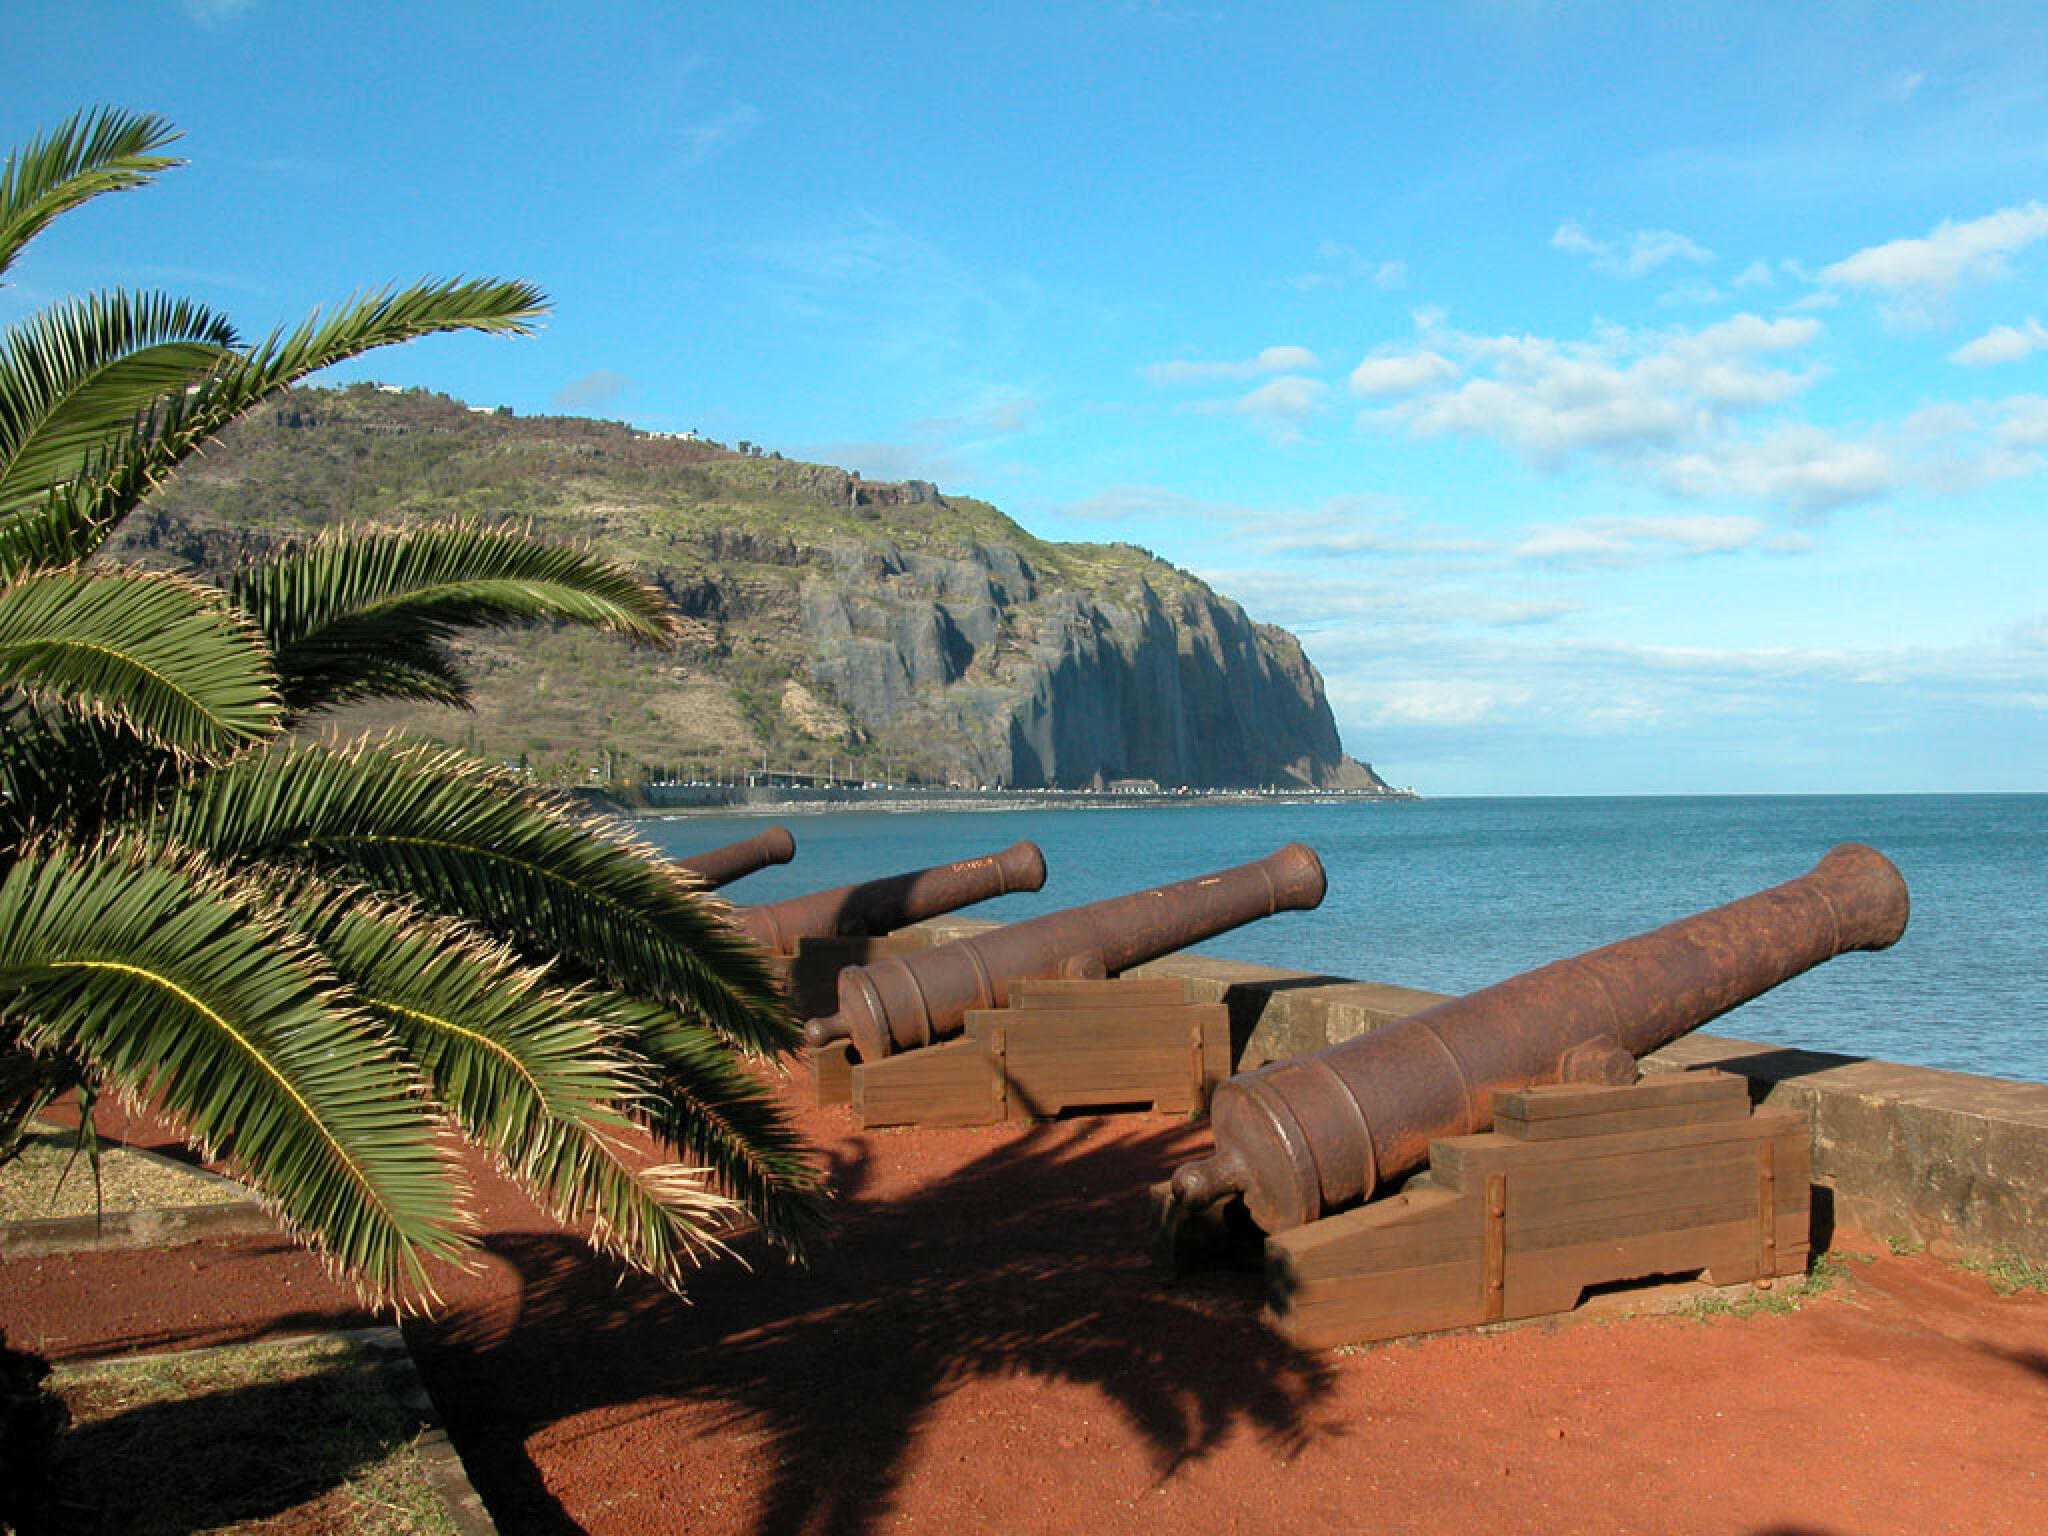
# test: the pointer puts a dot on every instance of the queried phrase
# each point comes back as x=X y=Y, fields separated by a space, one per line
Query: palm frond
x=470 y=840
x=184 y=423
x=526 y=1069
x=78 y=772
x=181 y=987
x=89 y=153
x=725 y=1115
x=159 y=653
x=74 y=379
x=362 y=614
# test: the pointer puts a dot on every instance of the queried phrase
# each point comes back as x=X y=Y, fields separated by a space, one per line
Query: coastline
x=679 y=800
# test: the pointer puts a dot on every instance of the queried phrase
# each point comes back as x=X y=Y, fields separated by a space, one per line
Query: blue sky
x=1615 y=399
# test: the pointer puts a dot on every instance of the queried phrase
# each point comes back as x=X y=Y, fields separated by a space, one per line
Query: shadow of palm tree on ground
x=1030 y=1260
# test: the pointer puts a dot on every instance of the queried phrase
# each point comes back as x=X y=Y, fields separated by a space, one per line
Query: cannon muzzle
x=876 y=907
x=722 y=866
x=903 y=1001
x=1304 y=1136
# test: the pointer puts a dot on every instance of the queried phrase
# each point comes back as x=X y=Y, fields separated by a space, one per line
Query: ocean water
x=1451 y=895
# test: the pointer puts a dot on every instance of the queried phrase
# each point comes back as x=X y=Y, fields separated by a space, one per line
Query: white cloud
x=1703 y=414
x=2002 y=344
x=1389 y=275
x=1622 y=393
x=2025 y=421
x=1401 y=373
x=1919 y=274
x=1280 y=406
x=1271 y=360
x=1801 y=467
x=1444 y=701
x=1614 y=541
x=1756 y=275
x=1634 y=255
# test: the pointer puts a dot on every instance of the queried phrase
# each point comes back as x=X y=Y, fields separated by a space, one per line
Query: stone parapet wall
x=1912 y=1154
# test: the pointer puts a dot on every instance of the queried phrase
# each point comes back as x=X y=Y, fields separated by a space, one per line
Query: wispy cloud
x=601 y=387
x=1632 y=255
x=995 y=417
x=217 y=13
x=1285 y=359
x=1919 y=274
x=1800 y=467
x=888 y=294
x=1343 y=266
x=1401 y=373
x=2002 y=344
x=710 y=137
x=1281 y=407
x=1619 y=541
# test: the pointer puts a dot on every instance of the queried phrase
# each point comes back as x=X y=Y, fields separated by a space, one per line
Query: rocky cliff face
x=1050 y=686
x=830 y=622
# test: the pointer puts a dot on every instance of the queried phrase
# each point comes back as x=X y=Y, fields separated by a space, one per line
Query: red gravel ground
x=983 y=1348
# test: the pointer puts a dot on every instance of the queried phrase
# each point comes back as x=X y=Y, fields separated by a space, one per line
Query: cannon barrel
x=903 y=1001
x=875 y=907
x=722 y=866
x=1304 y=1136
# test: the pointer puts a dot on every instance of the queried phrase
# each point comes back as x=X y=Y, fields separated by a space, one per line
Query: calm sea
x=1450 y=895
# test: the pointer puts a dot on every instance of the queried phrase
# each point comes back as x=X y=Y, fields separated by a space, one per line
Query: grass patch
x=2010 y=1275
x=300 y=1436
x=1822 y=1272
x=48 y=1181
x=1905 y=1247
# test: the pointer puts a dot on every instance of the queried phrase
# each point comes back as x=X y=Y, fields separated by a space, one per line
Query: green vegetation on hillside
x=732 y=536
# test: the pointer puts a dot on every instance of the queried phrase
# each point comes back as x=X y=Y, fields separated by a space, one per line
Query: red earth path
x=982 y=1348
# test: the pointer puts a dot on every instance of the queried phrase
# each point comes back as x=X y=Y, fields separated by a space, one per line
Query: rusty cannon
x=722 y=866
x=1316 y=1133
x=903 y=1001
x=872 y=908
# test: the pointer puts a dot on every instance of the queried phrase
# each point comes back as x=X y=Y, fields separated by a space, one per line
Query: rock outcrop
x=882 y=630
x=1051 y=686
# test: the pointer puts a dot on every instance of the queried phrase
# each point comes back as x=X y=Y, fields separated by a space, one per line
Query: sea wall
x=1908 y=1154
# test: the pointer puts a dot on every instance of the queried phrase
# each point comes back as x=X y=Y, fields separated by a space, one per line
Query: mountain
x=831 y=623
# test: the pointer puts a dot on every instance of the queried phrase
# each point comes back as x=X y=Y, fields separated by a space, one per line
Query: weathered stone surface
x=1058 y=688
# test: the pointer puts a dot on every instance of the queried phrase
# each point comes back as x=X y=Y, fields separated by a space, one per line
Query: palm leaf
x=471 y=841
x=724 y=1115
x=159 y=653
x=74 y=379
x=79 y=772
x=180 y=986
x=89 y=153
x=363 y=614
x=525 y=1067
x=184 y=423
